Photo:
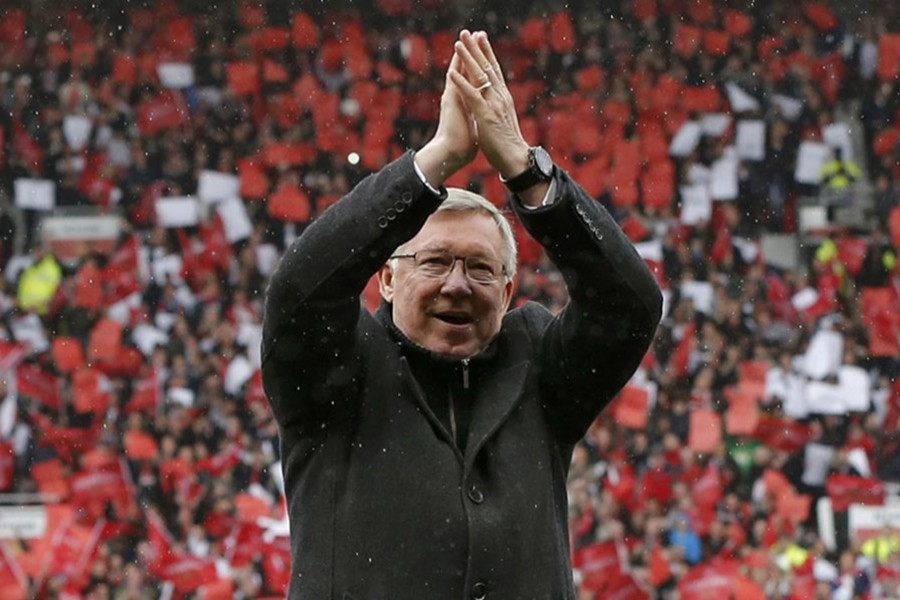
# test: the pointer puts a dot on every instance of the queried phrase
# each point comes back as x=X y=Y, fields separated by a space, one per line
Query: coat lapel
x=419 y=395
x=497 y=397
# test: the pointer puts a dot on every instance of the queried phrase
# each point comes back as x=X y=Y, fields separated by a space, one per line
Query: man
x=425 y=448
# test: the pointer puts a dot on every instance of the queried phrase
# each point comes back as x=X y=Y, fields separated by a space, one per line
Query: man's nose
x=457 y=282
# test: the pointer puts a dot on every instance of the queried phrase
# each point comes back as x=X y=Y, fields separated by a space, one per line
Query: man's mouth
x=455 y=317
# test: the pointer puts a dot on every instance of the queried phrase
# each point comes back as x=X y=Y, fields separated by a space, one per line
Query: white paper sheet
x=147 y=338
x=715 y=124
x=859 y=461
x=811 y=157
x=723 y=183
x=701 y=292
x=837 y=135
x=825 y=398
x=28 y=329
x=266 y=258
x=214 y=186
x=35 y=194
x=235 y=219
x=77 y=131
x=177 y=211
x=175 y=76
x=794 y=404
x=823 y=355
x=749 y=249
x=696 y=205
x=750 y=139
x=651 y=250
x=790 y=107
x=181 y=396
x=169 y=265
x=805 y=298
x=740 y=100
x=686 y=139
x=856 y=387
x=816 y=461
x=698 y=173
x=237 y=374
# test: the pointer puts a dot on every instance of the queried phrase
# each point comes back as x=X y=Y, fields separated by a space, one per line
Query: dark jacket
x=383 y=505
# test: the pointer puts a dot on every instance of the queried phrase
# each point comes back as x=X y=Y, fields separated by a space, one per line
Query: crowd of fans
x=133 y=406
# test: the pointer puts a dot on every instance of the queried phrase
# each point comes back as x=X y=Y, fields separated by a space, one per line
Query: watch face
x=543 y=162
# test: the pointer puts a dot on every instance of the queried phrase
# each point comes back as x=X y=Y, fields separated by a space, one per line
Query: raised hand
x=487 y=98
x=454 y=143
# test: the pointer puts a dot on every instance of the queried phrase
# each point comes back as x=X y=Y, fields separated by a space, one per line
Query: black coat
x=382 y=503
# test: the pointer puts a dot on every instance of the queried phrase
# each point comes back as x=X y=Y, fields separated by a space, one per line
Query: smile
x=455 y=318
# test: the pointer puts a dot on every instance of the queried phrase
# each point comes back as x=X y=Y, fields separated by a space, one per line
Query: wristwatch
x=540 y=169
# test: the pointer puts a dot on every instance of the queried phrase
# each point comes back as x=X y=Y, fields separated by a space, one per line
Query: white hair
x=460 y=200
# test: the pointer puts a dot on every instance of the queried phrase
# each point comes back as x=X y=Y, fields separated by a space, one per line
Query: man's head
x=458 y=312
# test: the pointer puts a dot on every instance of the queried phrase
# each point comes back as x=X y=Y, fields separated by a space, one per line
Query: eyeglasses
x=439 y=263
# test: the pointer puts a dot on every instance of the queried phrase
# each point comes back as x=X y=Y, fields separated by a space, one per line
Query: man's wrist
x=436 y=164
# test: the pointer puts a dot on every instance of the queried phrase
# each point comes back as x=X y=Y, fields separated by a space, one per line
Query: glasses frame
x=503 y=274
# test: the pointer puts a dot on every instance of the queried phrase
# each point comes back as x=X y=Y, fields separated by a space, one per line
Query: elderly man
x=425 y=448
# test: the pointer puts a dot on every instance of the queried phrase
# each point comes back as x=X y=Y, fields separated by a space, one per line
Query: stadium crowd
x=133 y=404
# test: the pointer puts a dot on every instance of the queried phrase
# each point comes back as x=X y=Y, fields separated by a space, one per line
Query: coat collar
x=497 y=384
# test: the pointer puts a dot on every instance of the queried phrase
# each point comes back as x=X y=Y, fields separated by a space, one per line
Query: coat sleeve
x=591 y=349
x=310 y=360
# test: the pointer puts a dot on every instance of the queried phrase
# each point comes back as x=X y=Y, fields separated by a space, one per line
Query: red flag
x=304 y=31
x=140 y=445
x=105 y=342
x=845 y=490
x=11 y=354
x=90 y=391
x=707 y=491
x=660 y=571
x=221 y=462
x=160 y=544
x=92 y=489
x=244 y=543
x=13 y=583
x=166 y=110
x=145 y=394
x=120 y=275
x=7 y=466
x=277 y=565
x=783 y=434
x=630 y=408
x=597 y=563
x=707 y=581
x=678 y=361
x=37 y=384
x=705 y=432
x=562 y=32
x=188 y=572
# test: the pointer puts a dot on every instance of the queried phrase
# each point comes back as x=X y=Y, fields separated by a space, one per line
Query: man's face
x=451 y=315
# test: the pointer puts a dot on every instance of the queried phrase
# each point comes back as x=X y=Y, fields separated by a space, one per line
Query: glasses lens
x=434 y=263
x=483 y=270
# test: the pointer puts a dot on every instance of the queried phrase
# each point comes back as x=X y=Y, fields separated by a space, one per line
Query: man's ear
x=508 y=290
x=386 y=282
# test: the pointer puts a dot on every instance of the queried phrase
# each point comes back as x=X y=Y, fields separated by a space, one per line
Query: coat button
x=399 y=206
x=406 y=197
x=475 y=495
x=382 y=222
x=391 y=214
x=479 y=591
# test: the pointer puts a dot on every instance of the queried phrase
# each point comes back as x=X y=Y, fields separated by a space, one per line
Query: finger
x=469 y=92
x=471 y=43
x=485 y=45
x=473 y=71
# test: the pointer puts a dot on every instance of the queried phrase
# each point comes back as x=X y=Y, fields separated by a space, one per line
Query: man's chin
x=454 y=348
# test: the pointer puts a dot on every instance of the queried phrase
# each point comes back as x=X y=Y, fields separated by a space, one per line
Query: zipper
x=465 y=384
x=465 y=373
